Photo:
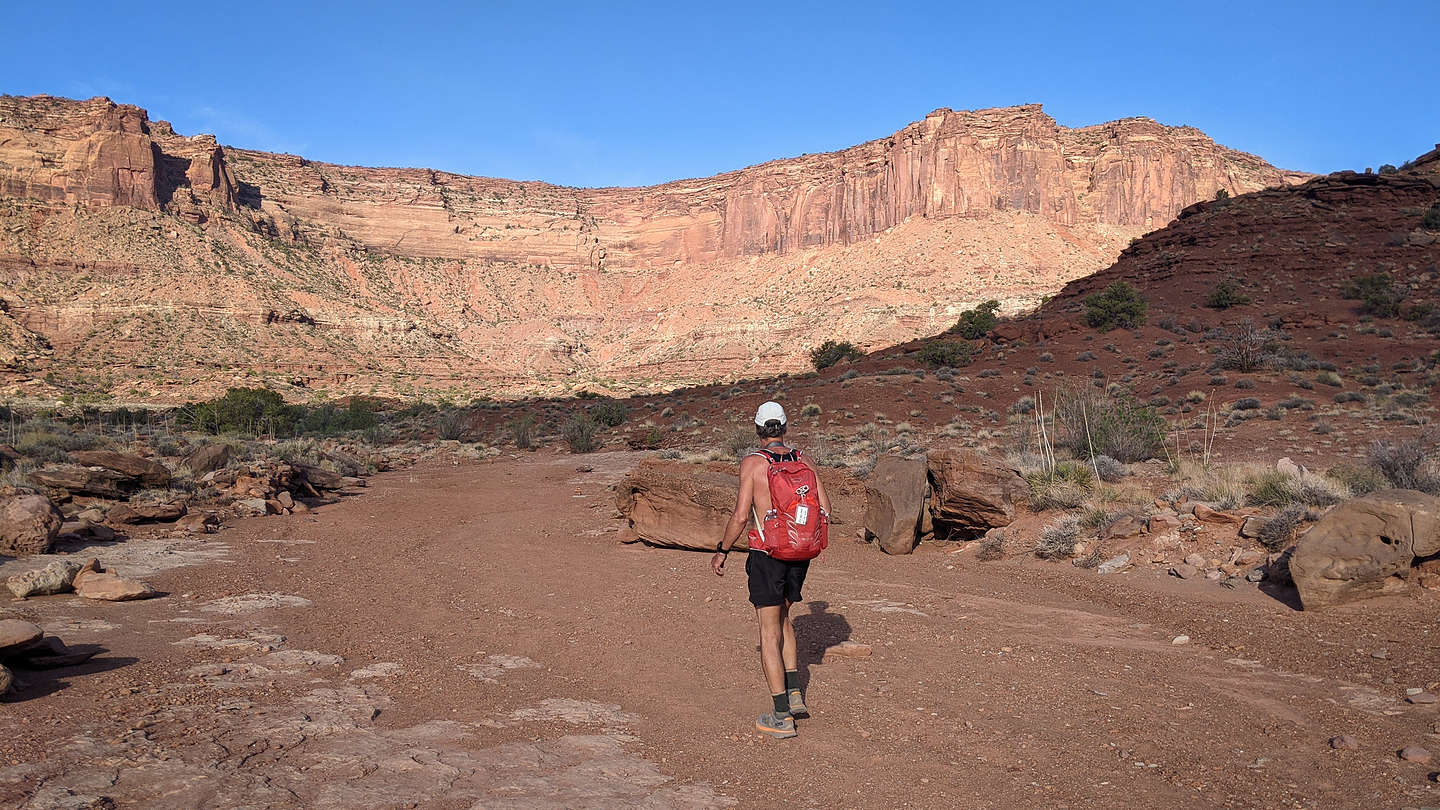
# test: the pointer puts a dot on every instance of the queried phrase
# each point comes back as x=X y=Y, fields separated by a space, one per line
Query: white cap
x=768 y=411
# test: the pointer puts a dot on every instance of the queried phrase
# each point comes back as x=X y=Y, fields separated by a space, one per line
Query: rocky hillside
x=141 y=265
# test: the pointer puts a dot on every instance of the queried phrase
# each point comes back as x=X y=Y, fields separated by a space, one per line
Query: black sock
x=782 y=704
x=792 y=679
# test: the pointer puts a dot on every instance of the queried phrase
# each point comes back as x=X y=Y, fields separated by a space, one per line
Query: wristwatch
x=720 y=548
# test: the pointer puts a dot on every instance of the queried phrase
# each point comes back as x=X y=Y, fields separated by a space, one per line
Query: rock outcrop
x=971 y=494
x=416 y=273
x=1365 y=547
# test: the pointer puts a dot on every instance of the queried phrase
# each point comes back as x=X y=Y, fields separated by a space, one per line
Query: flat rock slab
x=111 y=588
x=18 y=633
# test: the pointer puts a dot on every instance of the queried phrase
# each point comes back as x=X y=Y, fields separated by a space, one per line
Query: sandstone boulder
x=28 y=524
x=110 y=587
x=678 y=505
x=208 y=458
x=53 y=578
x=199 y=523
x=1365 y=547
x=51 y=653
x=320 y=478
x=70 y=479
x=126 y=514
x=147 y=472
x=971 y=494
x=894 y=501
x=16 y=634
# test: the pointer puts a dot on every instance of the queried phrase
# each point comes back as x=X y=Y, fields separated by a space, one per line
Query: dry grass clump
x=1405 y=464
x=1278 y=532
x=992 y=547
x=1067 y=486
x=1059 y=539
x=1281 y=488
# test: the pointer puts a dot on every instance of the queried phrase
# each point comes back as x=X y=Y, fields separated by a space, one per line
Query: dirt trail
x=472 y=636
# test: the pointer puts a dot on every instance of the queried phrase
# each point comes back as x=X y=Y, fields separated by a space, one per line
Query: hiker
x=789 y=512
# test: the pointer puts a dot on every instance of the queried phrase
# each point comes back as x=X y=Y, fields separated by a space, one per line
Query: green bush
x=250 y=411
x=975 y=323
x=1226 y=295
x=1066 y=487
x=1222 y=195
x=1119 y=305
x=1378 y=294
x=610 y=413
x=1092 y=422
x=328 y=419
x=1431 y=220
x=522 y=430
x=579 y=432
x=452 y=424
x=949 y=353
x=829 y=353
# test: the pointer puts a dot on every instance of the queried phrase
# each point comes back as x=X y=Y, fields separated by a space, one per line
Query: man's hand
x=717 y=563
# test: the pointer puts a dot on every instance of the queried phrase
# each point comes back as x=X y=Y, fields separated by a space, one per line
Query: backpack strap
x=775 y=458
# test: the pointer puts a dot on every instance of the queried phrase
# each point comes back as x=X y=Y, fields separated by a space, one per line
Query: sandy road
x=472 y=636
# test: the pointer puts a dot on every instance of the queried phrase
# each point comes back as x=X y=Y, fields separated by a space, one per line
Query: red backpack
x=794 y=528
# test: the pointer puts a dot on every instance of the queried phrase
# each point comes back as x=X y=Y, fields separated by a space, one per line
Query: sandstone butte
x=143 y=265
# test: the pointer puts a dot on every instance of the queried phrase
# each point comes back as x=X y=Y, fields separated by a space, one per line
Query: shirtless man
x=774 y=584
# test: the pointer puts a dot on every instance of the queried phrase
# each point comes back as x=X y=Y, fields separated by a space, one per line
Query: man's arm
x=743 y=502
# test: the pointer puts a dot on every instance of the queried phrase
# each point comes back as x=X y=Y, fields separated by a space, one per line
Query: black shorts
x=774 y=582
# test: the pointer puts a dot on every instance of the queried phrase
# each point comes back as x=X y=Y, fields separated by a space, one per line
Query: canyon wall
x=128 y=249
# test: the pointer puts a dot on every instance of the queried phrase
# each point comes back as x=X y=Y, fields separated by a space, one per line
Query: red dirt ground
x=537 y=663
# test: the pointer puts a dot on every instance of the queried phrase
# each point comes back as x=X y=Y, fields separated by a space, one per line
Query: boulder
x=1365 y=547
x=51 y=653
x=147 y=472
x=1123 y=527
x=53 y=578
x=17 y=634
x=199 y=523
x=29 y=524
x=126 y=514
x=109 y=587
x=208 y=458
x=894 y=500
x=678 y=505
x=321 y=478
x=70 y=479
x=7 y=679
x=971 y=494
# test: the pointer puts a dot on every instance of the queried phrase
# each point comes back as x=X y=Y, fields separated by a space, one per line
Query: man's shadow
x=816 y=632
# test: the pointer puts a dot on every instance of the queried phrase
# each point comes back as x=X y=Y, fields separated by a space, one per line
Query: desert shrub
x=830 y=352
x=1405 y=464
x=1431 y=220
x=740 y=443
x=1359 y=479
x=1119 y=305
x=1246 y=404
x=1058 y=540
x=1066 y=487
x=951 y=353
x=1349 y=396
x=1094 y=423
x=1378 y=294
x=1277 y=532
x=1023 y=406
x=1279 y=488
x=1329 y=378
x=522 y=430
x=810 y=411
x=579 y=432
x=651 y=439
x=1248 y=348
x=1195 y=397
x=250 y=411
x=42 y=447
x=1226 y=295
x=1222 y=195
x=1110 y=469
x=1084 y=357
x=975 y=323
x=329 y=419
x=452 y=424
x=1244 y=383
x=992 y=547
x=610 y=413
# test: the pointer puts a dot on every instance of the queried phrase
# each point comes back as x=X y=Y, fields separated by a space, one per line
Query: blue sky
x=632 y=93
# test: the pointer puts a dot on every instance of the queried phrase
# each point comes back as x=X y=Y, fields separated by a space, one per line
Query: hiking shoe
x=797 y=704
x=777 y=727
